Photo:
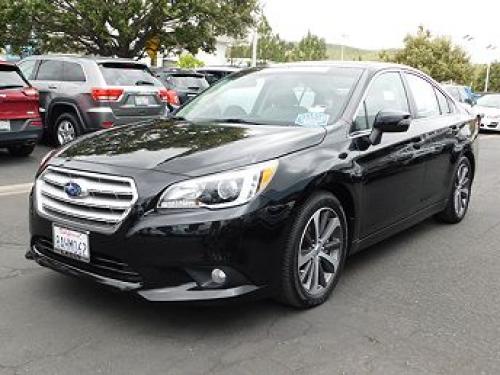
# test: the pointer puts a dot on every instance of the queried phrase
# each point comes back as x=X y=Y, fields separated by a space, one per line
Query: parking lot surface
x=426 y=301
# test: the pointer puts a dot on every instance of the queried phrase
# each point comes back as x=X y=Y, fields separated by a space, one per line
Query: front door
x=391 y=172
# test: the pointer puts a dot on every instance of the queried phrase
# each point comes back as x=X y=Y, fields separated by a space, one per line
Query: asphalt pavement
x=424 y=302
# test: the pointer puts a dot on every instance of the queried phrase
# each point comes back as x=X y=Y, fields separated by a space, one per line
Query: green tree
x=16 y=25
x=124 y=28
x=188 y=61
x=480 y=77
x=310 y=48
x=436 y=56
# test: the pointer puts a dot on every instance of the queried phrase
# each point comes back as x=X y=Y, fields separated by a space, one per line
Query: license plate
x=142 y=100
x=4 y=126
x=71 y=243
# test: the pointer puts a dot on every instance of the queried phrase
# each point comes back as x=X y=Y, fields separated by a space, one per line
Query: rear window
x=11 y=79
x=127 y=75
x=187 y=81
x=73 y=72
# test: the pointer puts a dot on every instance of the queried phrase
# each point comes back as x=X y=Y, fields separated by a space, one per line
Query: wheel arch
x=344 y=192
x=58 y=108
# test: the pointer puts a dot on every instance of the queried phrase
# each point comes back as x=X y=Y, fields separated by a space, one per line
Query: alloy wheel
x=462 y=190
x=319 y=251
x=66 y=132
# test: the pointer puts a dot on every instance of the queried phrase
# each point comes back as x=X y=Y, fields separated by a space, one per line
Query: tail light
x=106 y=95
x=31 y=92
x=169 y=96
x=37 y=123
x=107 y=124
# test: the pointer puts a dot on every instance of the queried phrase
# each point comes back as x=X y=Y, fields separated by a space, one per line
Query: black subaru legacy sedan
x=262 y=185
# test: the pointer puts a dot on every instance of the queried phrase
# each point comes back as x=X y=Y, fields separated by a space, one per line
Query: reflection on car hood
x=193 y=150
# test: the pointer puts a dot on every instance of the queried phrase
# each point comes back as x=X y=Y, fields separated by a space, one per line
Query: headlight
x=220 y=190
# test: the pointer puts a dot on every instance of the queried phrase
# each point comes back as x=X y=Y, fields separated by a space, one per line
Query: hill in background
x=353 y=53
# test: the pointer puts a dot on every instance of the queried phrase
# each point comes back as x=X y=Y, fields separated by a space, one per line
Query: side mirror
x=389 y=122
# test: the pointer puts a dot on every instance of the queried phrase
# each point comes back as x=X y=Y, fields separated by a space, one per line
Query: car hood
x=487 y=111
x=184 y=148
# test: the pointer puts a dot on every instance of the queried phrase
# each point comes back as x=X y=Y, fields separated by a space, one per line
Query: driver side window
x=385 y=93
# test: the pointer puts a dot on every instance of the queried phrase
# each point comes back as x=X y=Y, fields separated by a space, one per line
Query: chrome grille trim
x=108 y=203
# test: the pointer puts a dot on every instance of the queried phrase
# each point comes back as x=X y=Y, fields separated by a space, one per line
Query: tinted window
x=184 y=82
x=424 y=96
x=73 y=72
x=50 y=70
x=11 y=79
x=27 y=68
x=443 y=103
x=386 y=93
x=118 y=74
x=306 y=97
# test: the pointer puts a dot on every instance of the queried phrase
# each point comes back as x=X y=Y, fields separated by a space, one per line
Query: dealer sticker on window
x=312 y=119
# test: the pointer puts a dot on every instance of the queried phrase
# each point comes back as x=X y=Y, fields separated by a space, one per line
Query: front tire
x=315 y=252
x=458 y=201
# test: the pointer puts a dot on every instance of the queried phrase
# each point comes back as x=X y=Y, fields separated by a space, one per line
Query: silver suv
x=83 y=94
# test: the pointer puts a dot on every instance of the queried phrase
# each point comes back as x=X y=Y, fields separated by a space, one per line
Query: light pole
x=490 y=47
x=344 y=37
x=255 y=41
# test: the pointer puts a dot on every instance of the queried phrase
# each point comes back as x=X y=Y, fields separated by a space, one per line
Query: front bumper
x=171 y=257
x=490 y=124
x=184 y=292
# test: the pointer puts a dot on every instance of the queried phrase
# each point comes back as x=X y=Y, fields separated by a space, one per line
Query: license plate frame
x=5 y=126
x=142 y=100
x=71 y=243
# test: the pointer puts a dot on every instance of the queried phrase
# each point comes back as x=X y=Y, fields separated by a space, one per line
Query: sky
x=377 y=24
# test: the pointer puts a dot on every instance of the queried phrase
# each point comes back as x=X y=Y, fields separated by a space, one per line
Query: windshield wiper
x=144 y=83
x=238 y=121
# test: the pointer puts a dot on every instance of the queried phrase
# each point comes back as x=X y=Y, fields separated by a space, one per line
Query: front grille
x=100 y=264
x=106 y=202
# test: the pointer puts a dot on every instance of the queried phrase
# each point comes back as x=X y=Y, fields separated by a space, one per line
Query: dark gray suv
x=84 y=94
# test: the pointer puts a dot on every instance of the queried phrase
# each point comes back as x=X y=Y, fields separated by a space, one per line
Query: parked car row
x=71 y=95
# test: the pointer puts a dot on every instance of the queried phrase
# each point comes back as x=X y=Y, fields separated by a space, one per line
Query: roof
x=99 y=59
x=220 y=68
x=372 y=65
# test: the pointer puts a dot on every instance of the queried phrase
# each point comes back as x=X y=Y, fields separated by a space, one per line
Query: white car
x=489 y=107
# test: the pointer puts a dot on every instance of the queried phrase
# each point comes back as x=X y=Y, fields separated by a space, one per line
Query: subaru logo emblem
x=74 y=190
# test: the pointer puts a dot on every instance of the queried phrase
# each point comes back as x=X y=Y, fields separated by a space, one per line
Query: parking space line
x=8 y=190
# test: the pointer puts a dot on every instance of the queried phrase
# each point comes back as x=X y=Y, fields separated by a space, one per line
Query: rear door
x=48 y=80
x=140 y=89
x=439 y=122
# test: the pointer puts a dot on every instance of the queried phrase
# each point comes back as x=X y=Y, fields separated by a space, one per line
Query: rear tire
x=312 y=261
x=458 y=201
x=66 y=129
x=21 y=151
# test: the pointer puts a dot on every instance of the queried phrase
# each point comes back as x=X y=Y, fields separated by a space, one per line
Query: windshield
x=492 y=101
x=303 y=96
x=127 y=75
x=11 y=79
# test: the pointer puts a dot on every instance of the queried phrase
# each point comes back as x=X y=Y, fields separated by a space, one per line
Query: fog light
x=218 y=276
